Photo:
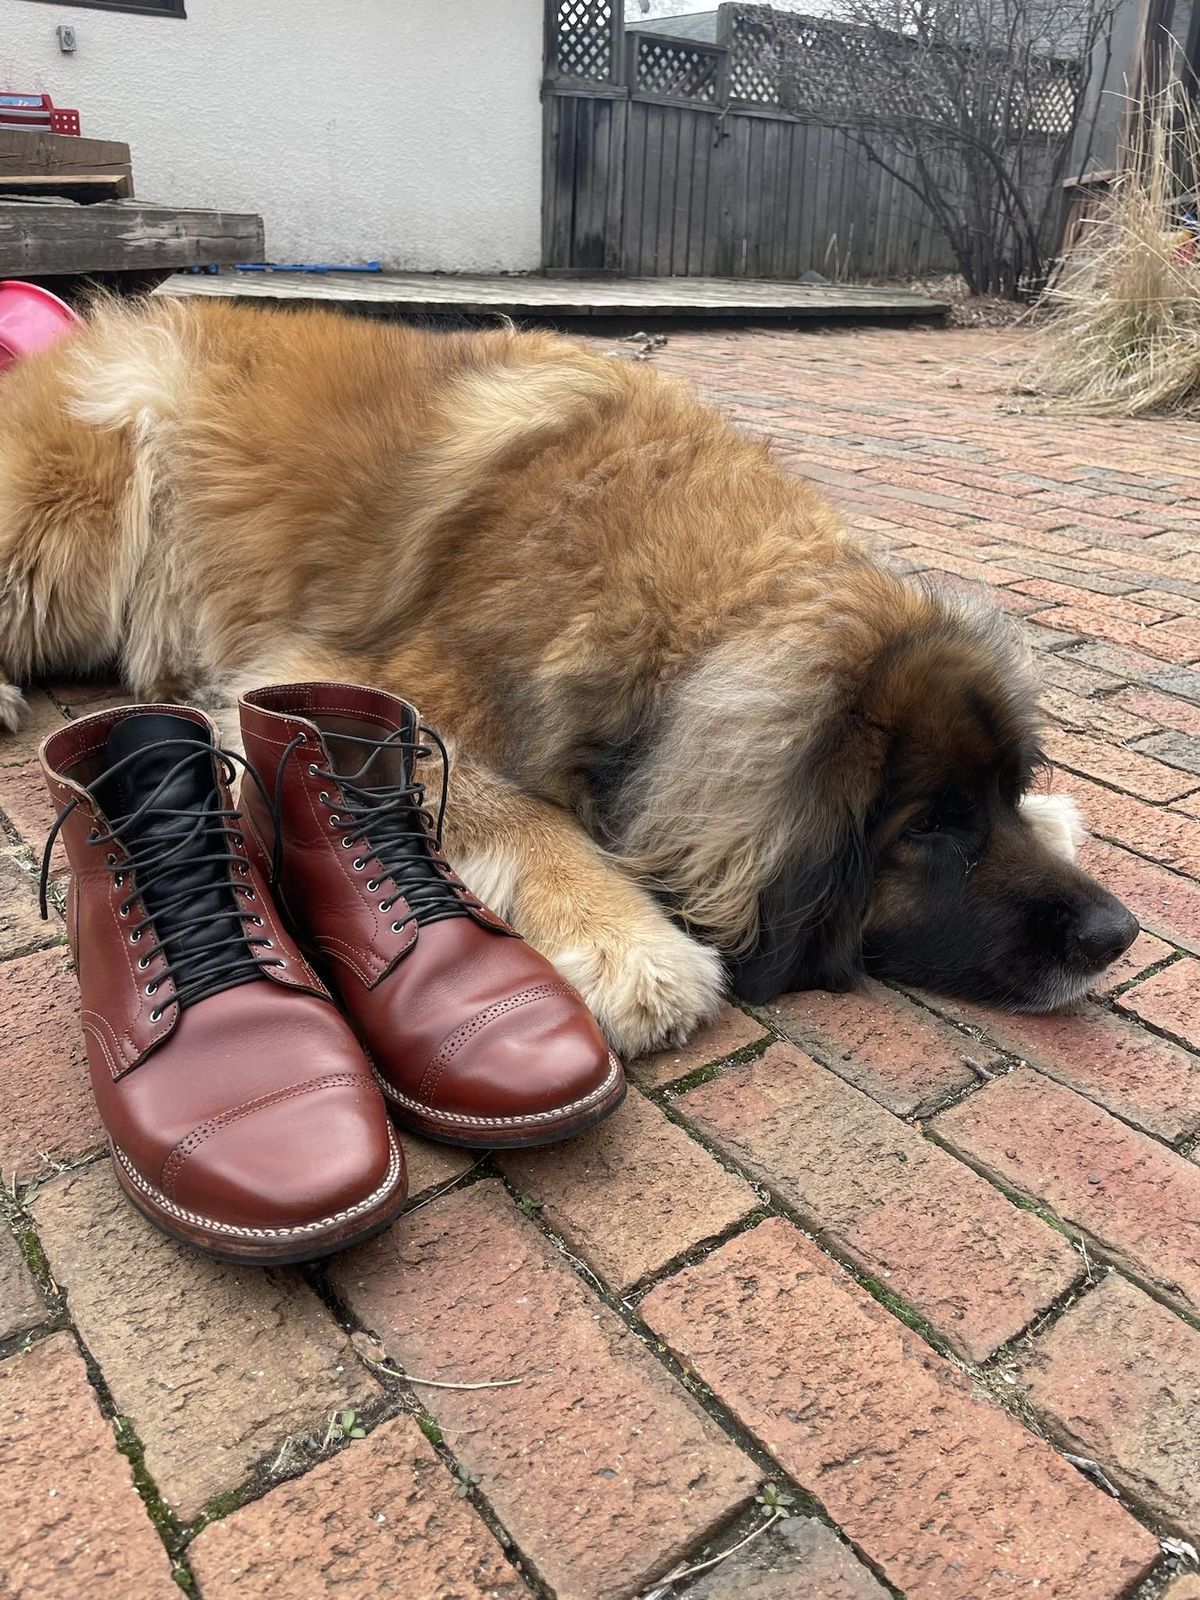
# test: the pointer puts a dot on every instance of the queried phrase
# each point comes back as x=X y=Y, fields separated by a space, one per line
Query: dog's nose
x=1105 y=931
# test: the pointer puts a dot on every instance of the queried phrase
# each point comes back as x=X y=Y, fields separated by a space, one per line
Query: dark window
x=148 y=8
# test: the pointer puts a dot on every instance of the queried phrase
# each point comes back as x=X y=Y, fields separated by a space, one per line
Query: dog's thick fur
x=670 y=677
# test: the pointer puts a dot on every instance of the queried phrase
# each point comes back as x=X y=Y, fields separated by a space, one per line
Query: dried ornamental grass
x=1125 y=340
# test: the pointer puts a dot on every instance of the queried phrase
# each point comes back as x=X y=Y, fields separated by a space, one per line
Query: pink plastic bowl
x=31 y=319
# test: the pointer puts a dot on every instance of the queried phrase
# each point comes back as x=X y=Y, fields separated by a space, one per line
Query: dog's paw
x=648 y=987
x=13 y=707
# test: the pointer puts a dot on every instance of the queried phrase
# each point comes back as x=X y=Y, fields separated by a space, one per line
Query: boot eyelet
x=397 y=927
x=152 y=988
x=372 y=885
x=323 y=797
x=156 y=1015
x=119 y=880
x=383 y=905
x=134 y=937
x=268 y=944
x=93 y=835
x=250 y=895
x=346 y=843
x=122 y=911
x=257 y=921
x=143 y=963
x=335 y=822
x=314 y=770
x=359 y=863
x=110 y=861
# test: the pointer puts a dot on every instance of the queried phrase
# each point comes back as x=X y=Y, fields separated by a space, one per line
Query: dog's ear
x=811 y=920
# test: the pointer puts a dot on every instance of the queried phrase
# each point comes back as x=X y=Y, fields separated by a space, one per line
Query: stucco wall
x=403 y=130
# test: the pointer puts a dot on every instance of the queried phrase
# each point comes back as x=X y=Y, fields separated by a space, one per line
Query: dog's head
x=890 y=822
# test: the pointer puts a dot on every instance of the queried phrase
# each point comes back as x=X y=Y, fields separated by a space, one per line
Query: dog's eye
x=924 y=825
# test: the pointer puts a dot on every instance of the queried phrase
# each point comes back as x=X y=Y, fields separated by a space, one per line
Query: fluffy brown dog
x=693 y=718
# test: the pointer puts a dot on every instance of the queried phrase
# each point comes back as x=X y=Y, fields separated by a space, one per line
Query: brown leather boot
x=476 y=1039
x=242 y=1113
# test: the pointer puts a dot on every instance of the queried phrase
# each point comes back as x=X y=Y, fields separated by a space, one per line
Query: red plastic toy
x=38 y=113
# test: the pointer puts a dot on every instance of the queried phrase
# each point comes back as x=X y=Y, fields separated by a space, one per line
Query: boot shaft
x=342 y=830
x=157 y=832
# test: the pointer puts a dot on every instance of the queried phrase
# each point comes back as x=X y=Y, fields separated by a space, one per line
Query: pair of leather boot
x=246 y=1111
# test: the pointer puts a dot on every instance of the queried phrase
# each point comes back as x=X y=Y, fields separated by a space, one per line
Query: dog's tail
x=131 y=367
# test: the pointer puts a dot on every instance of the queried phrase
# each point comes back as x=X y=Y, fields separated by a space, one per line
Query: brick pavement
x=929 y=1273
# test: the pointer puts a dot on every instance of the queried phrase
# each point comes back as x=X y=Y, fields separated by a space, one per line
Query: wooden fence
x=674 y=157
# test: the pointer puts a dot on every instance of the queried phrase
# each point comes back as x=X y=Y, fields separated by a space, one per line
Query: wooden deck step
x=536 y=297
x=52 y=163
x=46 y=237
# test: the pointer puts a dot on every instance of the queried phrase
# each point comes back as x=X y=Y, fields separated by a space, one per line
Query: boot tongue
x=171 y=771
x=148 y=737
x=383 y=803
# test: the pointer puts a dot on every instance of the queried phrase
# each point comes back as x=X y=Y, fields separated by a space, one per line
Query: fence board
x=646 y=181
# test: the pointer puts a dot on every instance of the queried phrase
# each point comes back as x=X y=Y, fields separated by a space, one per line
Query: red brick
x=1167 y=838
x=1161 y=900
x=71 y=1521
x=600 y=1466
x=1183 y=636
x=83 y=696
x=29 y=808
x=948 y=1495
x=1135 y=666
x=1170 y=1000
x=880 y=1195
x=881 y=1043
x=21 y=1306
x=215 y=1364
x=1065 y=672
x=730 y=1030
x=381 y=1518
x=1166 y=709
x=1145 y=951
x=1046 y=640
x=1180 y=750
x=632 y=1194
x=1122 y=769
x=21 y=928
x=430 y=1165
x=1097 y=717
x=1186 y=604
x=1144 y=1079
x=964 y=567
x=798 y=1559
x=1136 y=1202
x=47 y=1114
x=1118 y=1380
x=41 y=719
x=1065 y=594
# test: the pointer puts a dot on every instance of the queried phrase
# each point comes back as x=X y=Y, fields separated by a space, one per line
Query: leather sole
x=507 y=1133
x=268 y=1247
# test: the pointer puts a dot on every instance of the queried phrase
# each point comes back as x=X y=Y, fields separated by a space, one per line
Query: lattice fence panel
x=584 y=39
x=841 y=74
x=754 y=59
x=675 y=69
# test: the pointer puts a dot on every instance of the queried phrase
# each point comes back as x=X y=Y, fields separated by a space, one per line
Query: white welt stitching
x=159 y=1199
x=435 y=1112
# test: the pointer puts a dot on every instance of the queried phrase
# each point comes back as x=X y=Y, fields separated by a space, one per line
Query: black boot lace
x=390 y=826
x=186 y=874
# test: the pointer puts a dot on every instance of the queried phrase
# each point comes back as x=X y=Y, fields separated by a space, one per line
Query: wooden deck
x=550 y=298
